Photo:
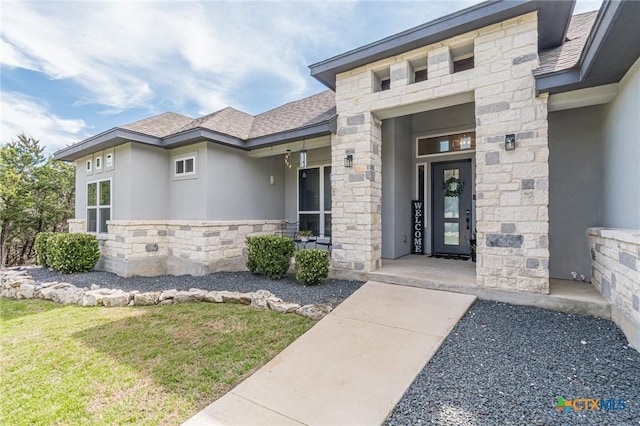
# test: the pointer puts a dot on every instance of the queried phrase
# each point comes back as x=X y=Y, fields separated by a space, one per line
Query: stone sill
x=631 y=236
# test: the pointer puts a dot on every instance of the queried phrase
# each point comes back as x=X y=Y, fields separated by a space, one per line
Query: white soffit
x=583 y=97
x=294 y=146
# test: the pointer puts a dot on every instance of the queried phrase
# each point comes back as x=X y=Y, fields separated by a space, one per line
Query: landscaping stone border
x=18 y=284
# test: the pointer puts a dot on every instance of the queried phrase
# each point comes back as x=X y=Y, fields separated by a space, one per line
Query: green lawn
x=142 y=365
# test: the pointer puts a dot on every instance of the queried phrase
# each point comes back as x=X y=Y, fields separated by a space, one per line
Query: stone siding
x=615 y=272
x=511 y=187
x=151 y=248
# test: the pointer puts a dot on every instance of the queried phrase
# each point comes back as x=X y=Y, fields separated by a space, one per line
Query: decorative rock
x=119 y=298
x=49 y=284
x=168 y=294
x=282 y=307
x=146 y=299
x=28 y=291
x=186 y=297
x=260 y=299
x=314 y=312
x=236 y=297
x=166 y=302
x=47 y=292
x=89 y=300
x=214 y=297
x=70 y=295
x=94 y=287
x=199 y=293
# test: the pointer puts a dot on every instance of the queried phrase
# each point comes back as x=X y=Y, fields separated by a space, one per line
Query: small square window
x=185 y=166
x=385 y=84
x=420 y=75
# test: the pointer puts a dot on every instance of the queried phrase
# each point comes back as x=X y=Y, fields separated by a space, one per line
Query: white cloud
x=23 y=114
x=135 y=54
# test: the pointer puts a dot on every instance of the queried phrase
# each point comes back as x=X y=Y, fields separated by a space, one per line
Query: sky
x=70 y=70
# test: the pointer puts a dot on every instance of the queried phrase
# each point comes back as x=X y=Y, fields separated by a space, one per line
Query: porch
x=459 y=276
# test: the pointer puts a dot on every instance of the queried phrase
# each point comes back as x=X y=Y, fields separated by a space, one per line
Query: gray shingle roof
x=160 y=125
x=314 y=109
x=229 y=121
x=305 y=112
x=567 y=55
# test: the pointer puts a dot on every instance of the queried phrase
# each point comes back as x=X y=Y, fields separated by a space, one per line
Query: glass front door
x=451 y=207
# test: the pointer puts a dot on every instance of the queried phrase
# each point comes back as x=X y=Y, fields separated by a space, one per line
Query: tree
x=36 y=194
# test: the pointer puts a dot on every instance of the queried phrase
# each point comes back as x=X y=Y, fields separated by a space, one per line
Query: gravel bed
x=288 y=289
x=507 y=365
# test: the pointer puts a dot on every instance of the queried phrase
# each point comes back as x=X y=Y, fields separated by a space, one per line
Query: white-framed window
x=108 y=160
x=184 y=166
x=98 y=161
x=314 y=200
x=89 y=166
x=98 y=205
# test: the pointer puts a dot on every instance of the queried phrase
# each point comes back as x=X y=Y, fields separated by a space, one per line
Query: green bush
x=312 y=266
x=42 y=248
x=72 y=252
x=269 y=255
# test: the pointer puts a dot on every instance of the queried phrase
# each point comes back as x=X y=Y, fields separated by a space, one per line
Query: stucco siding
x=149 y=183
x=397 y=154
x=188 y=195
x=575 y=187
x=621 y=155
x=238 y=187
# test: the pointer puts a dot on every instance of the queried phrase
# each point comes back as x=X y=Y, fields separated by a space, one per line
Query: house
x=511 y=118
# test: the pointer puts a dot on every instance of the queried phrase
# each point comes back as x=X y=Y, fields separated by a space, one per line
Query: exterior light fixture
x=348 y=161
x=303 y=159
x=510 y=142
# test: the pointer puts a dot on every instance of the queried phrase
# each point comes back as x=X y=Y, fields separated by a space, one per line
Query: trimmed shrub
x=42 y=248
x=312 y=266
x=72 y=252
x=269 y=255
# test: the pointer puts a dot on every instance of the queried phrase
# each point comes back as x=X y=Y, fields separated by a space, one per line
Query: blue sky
x=70 y=70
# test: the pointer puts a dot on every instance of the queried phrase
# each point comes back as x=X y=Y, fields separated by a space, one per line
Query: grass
x=142 y=365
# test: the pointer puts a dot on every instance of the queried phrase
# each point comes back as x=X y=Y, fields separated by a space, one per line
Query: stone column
x=356 y=192
x=511 y=186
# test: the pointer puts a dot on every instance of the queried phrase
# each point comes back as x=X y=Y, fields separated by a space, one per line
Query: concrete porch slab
x=459 y=276
x=350 y=368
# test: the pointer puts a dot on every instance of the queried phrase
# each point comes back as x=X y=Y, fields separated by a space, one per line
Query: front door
x=451 y=220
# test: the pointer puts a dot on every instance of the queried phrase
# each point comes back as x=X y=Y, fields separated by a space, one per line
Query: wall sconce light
x=303 y=159
x=510 y=142
x=348 y=161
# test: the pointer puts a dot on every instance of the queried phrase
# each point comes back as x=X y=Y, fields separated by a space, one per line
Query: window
x=185 y=166
x=98 y=163
x=447 y=143
x=420 y=75
x=382 y=80
x=88 y=166
x=98 y=205
x=108 y=160
x=462 y=58
x=314 y=200
x=419 y=69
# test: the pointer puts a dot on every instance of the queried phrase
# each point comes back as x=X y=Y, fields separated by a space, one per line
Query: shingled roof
x=160 y=125
x=567 y=55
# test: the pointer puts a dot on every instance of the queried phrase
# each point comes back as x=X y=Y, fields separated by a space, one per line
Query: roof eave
x=552 y=26
x=609 y=52
x=323 y=128
x=199 y=134
x=104 y=140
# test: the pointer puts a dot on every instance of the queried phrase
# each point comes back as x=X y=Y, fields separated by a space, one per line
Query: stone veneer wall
x=151 y=248
x=615 y=264
x=511 y=187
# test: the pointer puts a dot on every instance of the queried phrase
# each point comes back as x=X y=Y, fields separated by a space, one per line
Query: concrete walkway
x=352 y=367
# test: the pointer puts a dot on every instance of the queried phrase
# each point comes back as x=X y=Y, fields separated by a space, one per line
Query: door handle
x=467 y=212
